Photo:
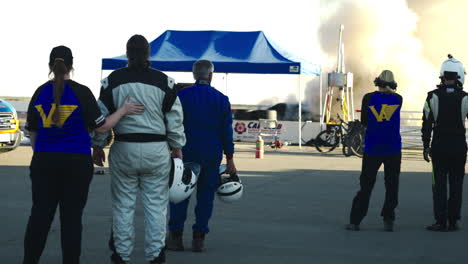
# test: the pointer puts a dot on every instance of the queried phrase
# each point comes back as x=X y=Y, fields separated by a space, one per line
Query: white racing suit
x=139 y=159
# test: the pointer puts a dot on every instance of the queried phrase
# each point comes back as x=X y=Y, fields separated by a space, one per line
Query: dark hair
x=60 y=63
x=138 y=51
x=382 y=84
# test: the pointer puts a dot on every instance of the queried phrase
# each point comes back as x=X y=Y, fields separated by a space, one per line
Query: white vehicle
x=10 y=133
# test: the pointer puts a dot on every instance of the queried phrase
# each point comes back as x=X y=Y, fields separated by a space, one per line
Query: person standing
x=140 y=157
x=208 y=127
x=445 y=113
x=380 y=115
x=60 y=115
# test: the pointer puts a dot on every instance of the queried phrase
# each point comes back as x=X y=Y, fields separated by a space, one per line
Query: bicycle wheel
x=357 y=144
x=347 y=152
x=326 y=141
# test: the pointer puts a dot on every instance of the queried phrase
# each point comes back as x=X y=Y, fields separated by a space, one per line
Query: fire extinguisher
x=259 y=148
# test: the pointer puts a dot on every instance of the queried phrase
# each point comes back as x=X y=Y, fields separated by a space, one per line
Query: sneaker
x=453 y=226
x=174 y=241
x=161 y=258
x=198 y=241
x=117 y=259
x=437 y=227
x=352 y=227
x=388 y=225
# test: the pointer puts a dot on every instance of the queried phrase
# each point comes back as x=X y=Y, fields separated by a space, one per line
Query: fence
x=411 y=123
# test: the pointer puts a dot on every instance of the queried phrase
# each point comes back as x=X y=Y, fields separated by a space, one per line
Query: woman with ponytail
x=60 y=116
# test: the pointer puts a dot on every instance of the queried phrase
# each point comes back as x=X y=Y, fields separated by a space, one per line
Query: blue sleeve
x=226 y=136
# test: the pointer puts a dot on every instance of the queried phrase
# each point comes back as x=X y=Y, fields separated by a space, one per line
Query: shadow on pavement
x=291 y=216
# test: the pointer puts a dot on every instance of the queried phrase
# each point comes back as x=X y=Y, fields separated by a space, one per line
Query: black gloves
x=427 y=154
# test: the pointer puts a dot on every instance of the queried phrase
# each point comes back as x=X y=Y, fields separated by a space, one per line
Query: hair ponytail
x=59 y=70
x=60 y=64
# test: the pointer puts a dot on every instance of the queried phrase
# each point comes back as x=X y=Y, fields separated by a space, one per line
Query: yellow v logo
x=65 y=112
x=386 y=112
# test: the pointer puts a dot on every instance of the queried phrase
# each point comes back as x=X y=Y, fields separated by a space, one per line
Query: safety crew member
x=445 y=112
x=60 y=115
x=140 y=158
x=208 y=128
x=380 y=114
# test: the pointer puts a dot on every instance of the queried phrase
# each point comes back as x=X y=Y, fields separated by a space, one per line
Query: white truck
x=10 y=133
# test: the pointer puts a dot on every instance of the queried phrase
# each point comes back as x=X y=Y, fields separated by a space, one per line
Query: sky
x=100 y=29
x=409 y=37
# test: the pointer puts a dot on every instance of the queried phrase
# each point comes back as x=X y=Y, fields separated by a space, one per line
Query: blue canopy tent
x=230 y=52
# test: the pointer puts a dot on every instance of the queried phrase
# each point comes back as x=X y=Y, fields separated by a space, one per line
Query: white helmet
x=182 y=180
x=230 y=188
x=453 y=65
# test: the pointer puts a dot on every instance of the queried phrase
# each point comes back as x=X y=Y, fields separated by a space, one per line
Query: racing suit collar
x=202 y=82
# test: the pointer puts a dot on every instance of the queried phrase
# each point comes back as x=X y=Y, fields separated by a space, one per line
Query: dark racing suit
x=444 y=116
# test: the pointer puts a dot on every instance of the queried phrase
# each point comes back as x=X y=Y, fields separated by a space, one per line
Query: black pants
x=448 y=162
x=58 y=179
x=370 y=167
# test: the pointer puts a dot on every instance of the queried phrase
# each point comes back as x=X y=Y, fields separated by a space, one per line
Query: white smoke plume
x=380 y=35
x=441 y=27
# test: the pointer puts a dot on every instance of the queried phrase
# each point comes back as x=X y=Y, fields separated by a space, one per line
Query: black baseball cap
x=61 y=53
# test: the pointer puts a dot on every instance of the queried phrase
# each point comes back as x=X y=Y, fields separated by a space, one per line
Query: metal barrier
x=410 y=130
x=411 y=123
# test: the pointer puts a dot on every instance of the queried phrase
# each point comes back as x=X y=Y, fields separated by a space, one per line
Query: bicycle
x=349 y=134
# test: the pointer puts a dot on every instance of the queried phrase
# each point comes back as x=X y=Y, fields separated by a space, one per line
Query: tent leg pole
x=300 y=114
x=352 y=102
x=321 y=99
x=226 y=83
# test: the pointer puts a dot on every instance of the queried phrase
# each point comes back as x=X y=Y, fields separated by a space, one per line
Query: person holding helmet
x=380 y=114
x=445 y=113
x=208 y=128
x=140 y=156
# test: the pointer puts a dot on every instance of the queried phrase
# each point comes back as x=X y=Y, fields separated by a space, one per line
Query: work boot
x=453 y=226
x=352 y=227
x=161 y=258
x=198 y=241
x=117 y=259
x=174 y=241
x=437 y=227
x=388 y=225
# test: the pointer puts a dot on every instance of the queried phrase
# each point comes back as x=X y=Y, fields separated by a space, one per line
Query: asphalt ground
x=295 y=205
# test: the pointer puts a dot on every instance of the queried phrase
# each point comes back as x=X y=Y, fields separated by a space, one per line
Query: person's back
x=71 y=134
x=207 y=115
x=60 y=115
x=380 y=114
x=208 y=128
x=148 y=87
x=140 y=158
x=444 y=116
x=383 y=123
x=444 y=102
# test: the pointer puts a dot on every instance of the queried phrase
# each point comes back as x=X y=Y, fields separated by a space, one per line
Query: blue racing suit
x=208 y=129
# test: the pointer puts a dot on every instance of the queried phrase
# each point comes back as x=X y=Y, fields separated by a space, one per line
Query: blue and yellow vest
x=71 y=134
x=383 y=124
